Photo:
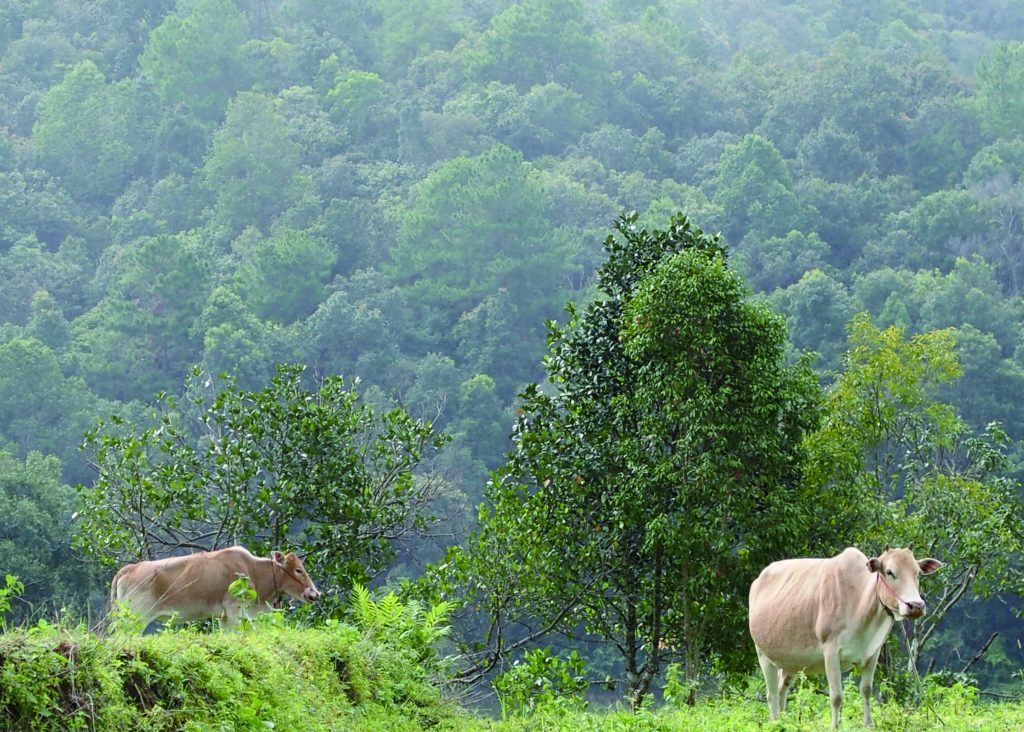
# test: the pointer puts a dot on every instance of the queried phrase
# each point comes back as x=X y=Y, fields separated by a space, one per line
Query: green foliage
x=84 y=133
x=269 y=677
x=540 y=681
x=407 y=626
x=285 y=465
x=253 y=166
x=139 y=338
x=10 y=591
x=898 y=466
x=831 y=142
x=477 y=226
x=1000 y=78
x=661 y=393
x=281 y=278
x=34 y=537
x=194 y=56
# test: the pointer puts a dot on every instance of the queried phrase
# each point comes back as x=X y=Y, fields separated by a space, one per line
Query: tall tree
x=285 y=465
x=663 y=463
x=194 y=56
x=1000 y=100
x=475 y=226
x=84 y=133
x=252 y=166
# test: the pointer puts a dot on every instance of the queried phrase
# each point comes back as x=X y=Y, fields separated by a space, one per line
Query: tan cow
x=828 y=615
x=194 y=587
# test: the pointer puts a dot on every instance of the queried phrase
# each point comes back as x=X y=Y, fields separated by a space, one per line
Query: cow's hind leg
x=771 y=683
x=784 y=685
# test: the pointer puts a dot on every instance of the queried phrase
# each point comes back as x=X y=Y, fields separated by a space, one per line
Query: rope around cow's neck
x=892 y=592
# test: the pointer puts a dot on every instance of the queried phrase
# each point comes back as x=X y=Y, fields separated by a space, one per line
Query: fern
x=406 y=626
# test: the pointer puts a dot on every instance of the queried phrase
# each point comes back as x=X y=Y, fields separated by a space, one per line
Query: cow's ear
x=929 y=565
x=874 y=564
x=276 y=556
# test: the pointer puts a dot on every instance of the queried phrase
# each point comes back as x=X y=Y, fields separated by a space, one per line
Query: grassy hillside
x=335 y=678
x=328 y=678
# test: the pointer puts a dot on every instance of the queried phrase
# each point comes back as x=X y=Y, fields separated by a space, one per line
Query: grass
x=266 y=678
x=338 y=677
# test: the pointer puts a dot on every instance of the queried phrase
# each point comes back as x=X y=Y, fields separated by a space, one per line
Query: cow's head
x=293 y=578
x=898 y=572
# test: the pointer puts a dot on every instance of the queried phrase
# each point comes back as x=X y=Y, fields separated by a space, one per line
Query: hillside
x=400 y=195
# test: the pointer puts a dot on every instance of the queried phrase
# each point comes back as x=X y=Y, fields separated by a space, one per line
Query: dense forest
x=399 y=196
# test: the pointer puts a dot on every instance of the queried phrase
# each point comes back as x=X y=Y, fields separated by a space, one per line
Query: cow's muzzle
x=310 y=594
x=915 y=609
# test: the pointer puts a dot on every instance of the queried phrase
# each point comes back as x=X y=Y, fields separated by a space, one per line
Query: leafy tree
x=194 y=56
x=834 y=154
x=252 y=166
x=664 y=462
x=28 y=267
x=929 y=234
x=543 y=120
x=283 y=466
x=816 y=310
x=282 y=277
x=408 y=31
x=42 y=409
x=35 y=538
x=540 y=41
x=1000 y=78
x=781 y=261
x=475 y=226
x=235 y=341
x=355 y=102
x=84 y=133
x=138 y=340
x=755 y=188
x=901 y=467
x=357 y=336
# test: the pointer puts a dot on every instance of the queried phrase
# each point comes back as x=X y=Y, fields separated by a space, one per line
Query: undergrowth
x=266 y=677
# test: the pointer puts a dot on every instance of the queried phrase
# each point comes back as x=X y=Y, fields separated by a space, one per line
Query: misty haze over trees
x=402 y=194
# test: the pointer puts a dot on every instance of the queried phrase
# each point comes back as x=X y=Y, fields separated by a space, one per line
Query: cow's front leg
x=834 y=674
x=867 y=679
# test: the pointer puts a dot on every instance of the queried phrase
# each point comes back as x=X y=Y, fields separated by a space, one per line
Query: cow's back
x=788 y=608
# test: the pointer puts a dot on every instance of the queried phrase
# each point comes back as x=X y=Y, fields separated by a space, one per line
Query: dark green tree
x=194 y=56
x=35 y=543
x=651 y=481
x=475 y=226
x=84 y=133
x=1000 y=100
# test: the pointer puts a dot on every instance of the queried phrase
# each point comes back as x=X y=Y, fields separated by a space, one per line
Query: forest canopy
x=401 y=195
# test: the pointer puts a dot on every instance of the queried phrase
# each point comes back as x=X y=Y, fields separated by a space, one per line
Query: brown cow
x=194 y=587
x=827 y=615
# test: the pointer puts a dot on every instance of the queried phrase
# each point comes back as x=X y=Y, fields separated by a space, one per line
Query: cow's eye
x=890 y=573
x=298 y=571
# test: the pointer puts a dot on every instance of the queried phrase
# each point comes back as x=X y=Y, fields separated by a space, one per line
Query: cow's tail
x=108 y=612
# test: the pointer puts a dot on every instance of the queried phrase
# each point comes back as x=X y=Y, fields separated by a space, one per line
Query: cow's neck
x=878 y=618
x=266 y=582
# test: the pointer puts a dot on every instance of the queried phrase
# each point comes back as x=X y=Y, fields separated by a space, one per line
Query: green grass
x=946 y=709
x=337 y=677
x=266 y=678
